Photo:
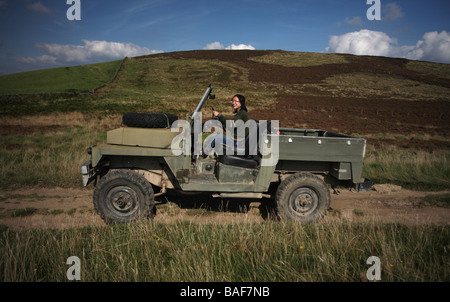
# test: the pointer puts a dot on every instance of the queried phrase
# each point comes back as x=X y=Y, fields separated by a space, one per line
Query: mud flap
x=364 y=186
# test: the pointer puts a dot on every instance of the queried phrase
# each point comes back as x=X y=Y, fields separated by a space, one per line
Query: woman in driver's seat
x=240 y=113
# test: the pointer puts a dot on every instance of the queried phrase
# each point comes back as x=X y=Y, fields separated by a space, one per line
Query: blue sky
x=36 y=34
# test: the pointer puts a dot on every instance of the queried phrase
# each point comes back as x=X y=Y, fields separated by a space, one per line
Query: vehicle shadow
x=205 y=201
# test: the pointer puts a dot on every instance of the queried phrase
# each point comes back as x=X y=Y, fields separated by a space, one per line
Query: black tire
x=148 y=120
x=123 y=196
x=302 y=198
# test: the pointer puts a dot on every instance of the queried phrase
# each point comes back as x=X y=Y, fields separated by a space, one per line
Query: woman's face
x=236 y=104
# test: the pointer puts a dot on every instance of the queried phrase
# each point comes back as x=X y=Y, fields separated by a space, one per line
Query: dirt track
x=388 y=204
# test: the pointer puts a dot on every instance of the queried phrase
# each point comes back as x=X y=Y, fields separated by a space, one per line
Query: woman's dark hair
x=241 y=99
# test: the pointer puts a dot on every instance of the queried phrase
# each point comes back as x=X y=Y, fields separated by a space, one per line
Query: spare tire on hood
x=148 y=120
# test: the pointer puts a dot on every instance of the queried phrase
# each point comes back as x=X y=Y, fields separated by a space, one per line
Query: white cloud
x=218 y=45
x=433 y=47
x=239 y=47
x=363 y=42
x=91 y=51
x=40 y=8
x=214 y=45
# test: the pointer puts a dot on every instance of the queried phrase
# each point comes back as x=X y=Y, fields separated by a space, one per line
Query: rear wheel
x=123 y=196
x=302 y=198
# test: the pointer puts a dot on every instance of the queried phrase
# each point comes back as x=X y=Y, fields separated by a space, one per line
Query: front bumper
x=87 y=172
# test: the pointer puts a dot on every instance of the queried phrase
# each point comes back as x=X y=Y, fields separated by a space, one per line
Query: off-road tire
x=123 y=196
x=148 y=120
x=303 y=198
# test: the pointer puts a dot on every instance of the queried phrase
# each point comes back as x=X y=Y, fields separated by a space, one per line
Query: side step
x=241 y=195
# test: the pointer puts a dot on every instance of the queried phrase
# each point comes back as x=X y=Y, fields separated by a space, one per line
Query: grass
x=150 y=84
x=23 y=212
x=300 y=59
x=176 y=86
x=440 y=200
x=63 y=79
x=435 y=69
x=38 y=104
x=415 y=170
x=48 y=156
x=257 y=252
x=363 y=85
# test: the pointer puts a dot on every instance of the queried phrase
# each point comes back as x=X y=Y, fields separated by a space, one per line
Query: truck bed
x=319 y=150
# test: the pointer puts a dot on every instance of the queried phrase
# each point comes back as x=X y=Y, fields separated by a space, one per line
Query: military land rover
x=153 y=153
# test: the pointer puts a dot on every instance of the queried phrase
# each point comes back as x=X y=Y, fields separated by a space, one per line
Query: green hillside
x=63 y=79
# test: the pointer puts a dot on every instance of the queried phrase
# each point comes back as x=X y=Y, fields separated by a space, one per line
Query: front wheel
x=123 y=196
x=303 y=198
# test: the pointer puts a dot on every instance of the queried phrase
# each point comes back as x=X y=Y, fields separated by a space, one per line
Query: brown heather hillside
x=377 y=97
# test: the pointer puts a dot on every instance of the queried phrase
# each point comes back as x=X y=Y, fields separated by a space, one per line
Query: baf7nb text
x=239 y=291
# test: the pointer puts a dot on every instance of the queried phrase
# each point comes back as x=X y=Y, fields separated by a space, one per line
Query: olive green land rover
x=153 y=153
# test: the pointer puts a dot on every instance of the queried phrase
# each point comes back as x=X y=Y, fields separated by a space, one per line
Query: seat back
x=246 y=153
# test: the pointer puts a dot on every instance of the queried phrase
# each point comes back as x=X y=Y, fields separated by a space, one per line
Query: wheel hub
x=123 y=199
x=304 y=201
